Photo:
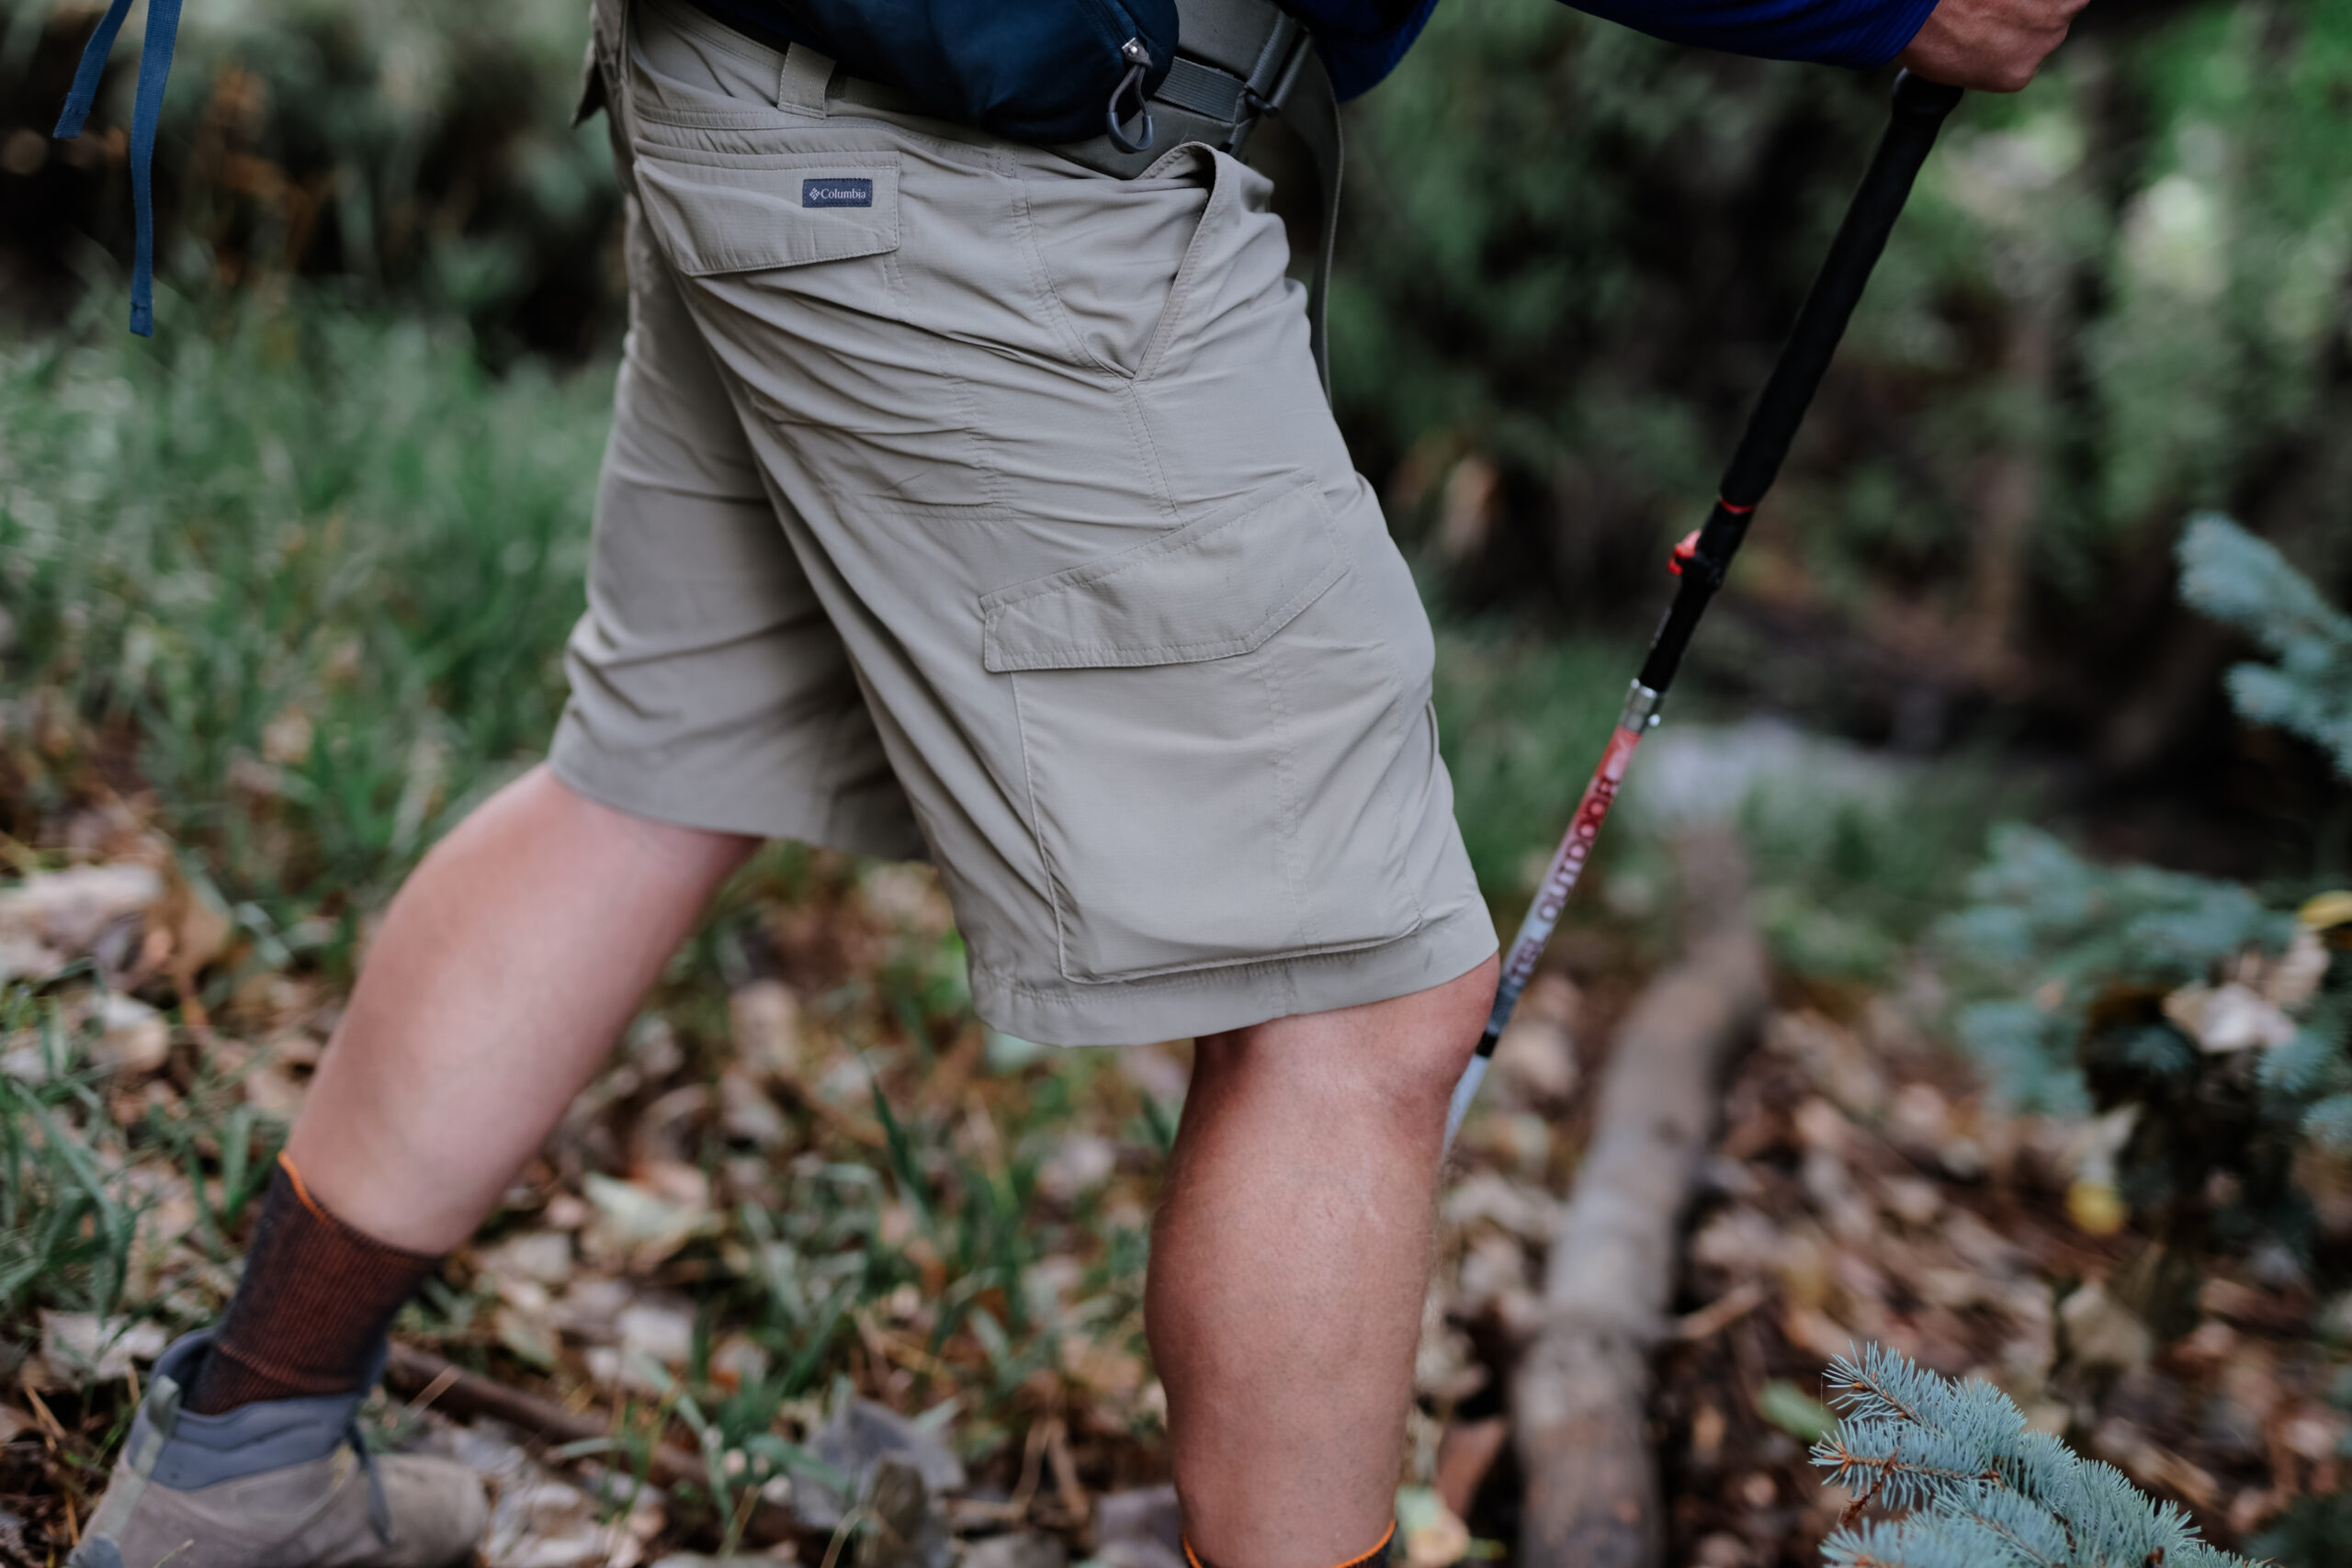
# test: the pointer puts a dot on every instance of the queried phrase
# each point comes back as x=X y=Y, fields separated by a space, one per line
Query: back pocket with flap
x=1209 y=721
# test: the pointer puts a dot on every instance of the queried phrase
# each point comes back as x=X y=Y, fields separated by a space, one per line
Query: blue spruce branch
x=1972 y=1486
x=2231 y=576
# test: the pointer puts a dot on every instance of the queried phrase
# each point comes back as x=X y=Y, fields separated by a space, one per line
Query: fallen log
x=1580 y=1396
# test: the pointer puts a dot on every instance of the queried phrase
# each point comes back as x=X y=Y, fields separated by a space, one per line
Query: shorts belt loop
x=800 y=85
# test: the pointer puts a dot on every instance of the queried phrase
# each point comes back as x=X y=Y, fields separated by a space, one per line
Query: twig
x=842 y=1531
x=459 y=1393
x=1708 y=1321
x=49 y=1423
x=1032 y=1461
x=1072 y=1491
x=431 y=1391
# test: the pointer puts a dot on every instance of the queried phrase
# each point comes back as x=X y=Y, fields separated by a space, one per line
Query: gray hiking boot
x=282 y=1483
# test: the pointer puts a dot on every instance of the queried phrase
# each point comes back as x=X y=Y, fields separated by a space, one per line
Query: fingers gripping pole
x=1919 y=113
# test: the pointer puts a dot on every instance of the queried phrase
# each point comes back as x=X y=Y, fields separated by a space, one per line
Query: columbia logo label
x=836 y=193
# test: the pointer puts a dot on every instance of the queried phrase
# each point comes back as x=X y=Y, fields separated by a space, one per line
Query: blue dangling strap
x=147 y=112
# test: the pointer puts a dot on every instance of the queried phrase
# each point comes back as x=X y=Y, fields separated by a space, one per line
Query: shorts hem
x=1208 y=1001
x=596 y=776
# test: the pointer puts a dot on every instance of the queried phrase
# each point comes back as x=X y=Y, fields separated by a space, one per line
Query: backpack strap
x=146 y=113
x=1313 y=111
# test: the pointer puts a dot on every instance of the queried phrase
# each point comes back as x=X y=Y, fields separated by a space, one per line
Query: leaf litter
x=862 y=1280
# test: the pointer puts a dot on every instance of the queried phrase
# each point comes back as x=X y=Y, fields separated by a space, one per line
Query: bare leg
x=504 y=970
x=1288 y=1266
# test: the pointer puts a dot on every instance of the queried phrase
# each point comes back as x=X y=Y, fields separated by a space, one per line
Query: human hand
x=1993 y=45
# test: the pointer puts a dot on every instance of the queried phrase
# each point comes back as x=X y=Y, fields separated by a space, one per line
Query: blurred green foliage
x=315 y=570
x=2233 y=576
x=1521 y=722
x=67 y=1218
x=2077 y=947
x=2209 y=1026
x=1570 y=253
x=2115 y=298
x=2313 y=1533
x=421 y=153
x=1846 y=884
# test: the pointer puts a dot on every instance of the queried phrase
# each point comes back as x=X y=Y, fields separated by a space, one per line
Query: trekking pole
x=1702 y=559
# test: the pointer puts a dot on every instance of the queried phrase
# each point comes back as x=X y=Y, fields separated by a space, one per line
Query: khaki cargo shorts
x=963 y=502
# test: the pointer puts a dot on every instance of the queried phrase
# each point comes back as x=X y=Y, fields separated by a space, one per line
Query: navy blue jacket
x=1362 y=40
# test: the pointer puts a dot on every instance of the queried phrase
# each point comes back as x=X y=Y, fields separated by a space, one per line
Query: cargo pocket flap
x=1210 y=590
x=749 y=214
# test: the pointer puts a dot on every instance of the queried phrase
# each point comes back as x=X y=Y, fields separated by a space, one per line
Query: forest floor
x=809 y=1185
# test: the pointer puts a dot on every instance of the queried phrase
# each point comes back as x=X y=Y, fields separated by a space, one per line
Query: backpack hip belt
x=1237 y=61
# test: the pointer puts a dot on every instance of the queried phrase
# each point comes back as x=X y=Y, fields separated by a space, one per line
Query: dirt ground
x=810 y=1192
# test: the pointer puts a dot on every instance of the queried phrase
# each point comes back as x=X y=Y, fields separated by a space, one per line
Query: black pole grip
x=1919 y=113
x=1920 y=106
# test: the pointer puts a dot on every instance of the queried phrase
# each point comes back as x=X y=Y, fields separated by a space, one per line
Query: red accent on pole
x=1568 y=864
x=1684 y=551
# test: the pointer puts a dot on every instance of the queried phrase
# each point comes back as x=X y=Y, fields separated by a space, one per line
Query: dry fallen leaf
x=1433 y=1535
x=1081 y=1163
x=1465 y=1452
x=200 y=923
x=766 y=1018
x=78 y=1349
x=2102 y=1332
x=736 y=1361
x=1535 y=1061
x=541 y=1522
x=1526 y=1211
x=746 y=1114
x=54 y=918
x=528 y=1334
x=638 y=1224
x=660 y=1329
x=2235 y=1017
x=2326 y=910
x=2294 y=977
x=544 y=1258
x=134 y=1037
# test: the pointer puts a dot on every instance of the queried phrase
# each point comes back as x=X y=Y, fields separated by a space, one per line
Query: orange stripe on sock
x=1193 y=1558
x=301 y=1190
x=1378 y=1547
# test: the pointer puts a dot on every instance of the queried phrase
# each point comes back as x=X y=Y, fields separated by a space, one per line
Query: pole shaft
x=1919 y=113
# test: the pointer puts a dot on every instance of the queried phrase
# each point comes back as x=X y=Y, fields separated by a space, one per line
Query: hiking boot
x=279 y=1483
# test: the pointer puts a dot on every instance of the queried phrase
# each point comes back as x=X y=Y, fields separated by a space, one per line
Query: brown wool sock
x=1373 y=1558
x=311 y=1309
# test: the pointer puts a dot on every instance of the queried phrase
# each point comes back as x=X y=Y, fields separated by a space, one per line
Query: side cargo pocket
x=1209 y=720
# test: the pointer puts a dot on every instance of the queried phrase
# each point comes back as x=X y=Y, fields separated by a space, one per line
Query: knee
x=1441 y=1036
x=1399 y=1059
